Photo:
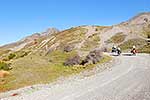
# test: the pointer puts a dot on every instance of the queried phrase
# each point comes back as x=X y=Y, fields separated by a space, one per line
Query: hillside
x=80 y=37
x=40 y=58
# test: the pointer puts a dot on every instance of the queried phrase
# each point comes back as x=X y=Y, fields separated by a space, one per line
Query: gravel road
x=127 y=79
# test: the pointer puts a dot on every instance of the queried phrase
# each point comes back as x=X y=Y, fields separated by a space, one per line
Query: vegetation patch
x=71 y=36
x=99 y=28
x=34 y=69
x=58 y=56
x=104 y=59
x=133 y=42
x=145 y=49
x=118 y=38
x=4 y=66
x=11 y=56
x=15 y=55
x=75 y=60
x=91 y=43
x=21 y=54
x=146 y=31
x=93 y=57
x=4 y=52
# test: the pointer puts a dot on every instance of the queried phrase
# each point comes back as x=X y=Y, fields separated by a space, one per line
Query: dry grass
x=71 y=36
x=139 y=43
x=3 y=51
x=99 y=28
x=35 y=69
x=91 y=43
x=118 y=38
x=146 y=31
x=145 y=49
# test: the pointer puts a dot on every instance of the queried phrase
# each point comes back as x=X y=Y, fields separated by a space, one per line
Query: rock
x=50 y=31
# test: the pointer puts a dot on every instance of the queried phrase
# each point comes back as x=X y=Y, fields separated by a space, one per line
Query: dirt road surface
x=127 y=79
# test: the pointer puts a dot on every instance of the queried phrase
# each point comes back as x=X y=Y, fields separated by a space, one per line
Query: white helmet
x=119 y=49
x=134 y=46
x=115 y=46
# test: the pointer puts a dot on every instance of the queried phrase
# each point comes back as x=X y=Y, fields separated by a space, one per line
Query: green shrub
x=11 y=56
x=4 y=66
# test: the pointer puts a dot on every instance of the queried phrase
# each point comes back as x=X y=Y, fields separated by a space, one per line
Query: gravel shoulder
x=126 y=78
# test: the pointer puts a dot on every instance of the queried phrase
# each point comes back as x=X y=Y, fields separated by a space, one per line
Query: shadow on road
x=123 y=54
x=127 y=54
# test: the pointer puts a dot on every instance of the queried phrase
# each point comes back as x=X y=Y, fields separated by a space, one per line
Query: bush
x=93 y=57
x=148 y=36
x=96 y=29
x=68 y=48
x=21 y=54
x=24 y=54
x=76 y=60
x=4 y=66
x=11 y=56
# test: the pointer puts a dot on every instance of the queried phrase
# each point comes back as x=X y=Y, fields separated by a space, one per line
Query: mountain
x=37 y=55
x=136 y=27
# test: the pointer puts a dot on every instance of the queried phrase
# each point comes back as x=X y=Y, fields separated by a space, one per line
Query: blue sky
x=20 y=18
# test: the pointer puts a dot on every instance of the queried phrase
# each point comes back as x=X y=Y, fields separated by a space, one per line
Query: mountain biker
x=118 y=51
x=134 y=51
x=114 y=49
